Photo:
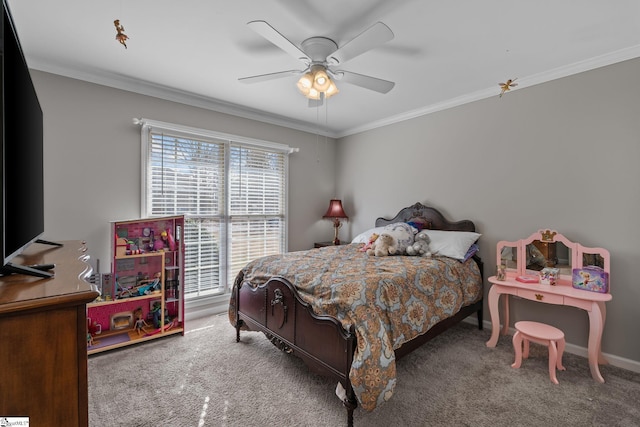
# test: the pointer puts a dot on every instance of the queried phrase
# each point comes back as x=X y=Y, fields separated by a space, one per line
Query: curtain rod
x=148 y=123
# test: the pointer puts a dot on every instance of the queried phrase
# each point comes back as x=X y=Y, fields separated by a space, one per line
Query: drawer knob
x=539 y=297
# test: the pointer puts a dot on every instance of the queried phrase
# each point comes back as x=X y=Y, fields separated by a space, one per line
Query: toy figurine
x=507 y=86
x=158 y=245
x=172 y=324
x=156 y=312
x=140 y=323
x=156 y=285
x=170 y=240
x=369 y=244
x=152 y=286
x=94 y=327
x=120 y=35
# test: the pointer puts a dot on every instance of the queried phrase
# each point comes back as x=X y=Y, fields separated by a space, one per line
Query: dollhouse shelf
x=155 y=295
x=146 y=287
x=112 y=340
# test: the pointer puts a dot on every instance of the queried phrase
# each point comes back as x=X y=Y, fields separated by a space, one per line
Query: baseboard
x=620 y=362
x=212 y=306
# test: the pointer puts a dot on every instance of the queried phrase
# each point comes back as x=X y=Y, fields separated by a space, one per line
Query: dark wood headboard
x=430 y=216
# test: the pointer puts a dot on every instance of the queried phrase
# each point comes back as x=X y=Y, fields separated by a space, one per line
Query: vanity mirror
x=508 y=257
x=540 y=254
x=547 y=249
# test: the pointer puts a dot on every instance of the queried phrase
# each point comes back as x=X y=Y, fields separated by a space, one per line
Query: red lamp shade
x=335 y=212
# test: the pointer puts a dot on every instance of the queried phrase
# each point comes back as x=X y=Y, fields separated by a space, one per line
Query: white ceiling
x=444 y=53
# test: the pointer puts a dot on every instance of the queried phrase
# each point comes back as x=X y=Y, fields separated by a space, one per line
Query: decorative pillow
x=404 y=234
x=401 y=231
x=417 y=225
x=452 y=244
x=471 y=252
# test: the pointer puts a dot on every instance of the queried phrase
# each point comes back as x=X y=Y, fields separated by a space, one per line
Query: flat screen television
x=22 y=177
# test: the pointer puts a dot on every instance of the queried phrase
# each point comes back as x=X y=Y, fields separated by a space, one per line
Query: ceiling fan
x=320 y=56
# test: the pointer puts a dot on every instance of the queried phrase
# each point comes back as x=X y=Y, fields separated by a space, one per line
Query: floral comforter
x=390 y=300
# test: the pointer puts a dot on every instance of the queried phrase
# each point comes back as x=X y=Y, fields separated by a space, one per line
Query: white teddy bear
x=384 y=245
x=420 y=245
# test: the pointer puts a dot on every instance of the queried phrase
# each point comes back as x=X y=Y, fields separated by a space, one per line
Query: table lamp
x=335 y=212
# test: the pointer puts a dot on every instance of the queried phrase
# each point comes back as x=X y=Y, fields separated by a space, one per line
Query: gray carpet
x=207 y=379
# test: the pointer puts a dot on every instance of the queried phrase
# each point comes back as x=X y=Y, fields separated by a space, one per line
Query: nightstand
x=323 y=244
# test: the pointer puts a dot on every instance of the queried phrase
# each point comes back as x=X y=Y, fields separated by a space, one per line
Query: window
x=231 y=190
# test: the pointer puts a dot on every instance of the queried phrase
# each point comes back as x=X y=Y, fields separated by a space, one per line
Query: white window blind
x=256 y=202
x=233 y=194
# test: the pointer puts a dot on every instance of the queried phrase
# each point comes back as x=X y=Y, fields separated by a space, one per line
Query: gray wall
x=562 y=155
x=92 y=161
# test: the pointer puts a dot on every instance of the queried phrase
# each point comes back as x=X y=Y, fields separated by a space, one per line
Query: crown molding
x=543 y=77
x=150 y=89
x=118 y=81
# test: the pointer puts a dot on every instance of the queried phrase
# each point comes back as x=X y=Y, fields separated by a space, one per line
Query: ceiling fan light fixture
x=332 y=90
x=304 y=91
x=313 y=94
x=321 y=81
x=305 y=83
x=315 y=82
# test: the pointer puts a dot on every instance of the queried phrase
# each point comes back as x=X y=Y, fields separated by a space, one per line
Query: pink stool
x=542 y=334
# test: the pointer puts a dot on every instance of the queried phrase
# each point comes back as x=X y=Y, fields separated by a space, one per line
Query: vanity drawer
x=541 y=296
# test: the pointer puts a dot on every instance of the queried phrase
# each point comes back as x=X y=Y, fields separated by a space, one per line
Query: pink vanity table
x=562 y=293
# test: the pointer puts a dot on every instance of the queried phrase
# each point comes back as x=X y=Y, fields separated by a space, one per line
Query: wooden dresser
x=43 y=338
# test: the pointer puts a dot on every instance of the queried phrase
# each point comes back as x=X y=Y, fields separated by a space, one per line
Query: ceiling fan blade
x=271 y=34
x=269 y=76
x=367 y=82
x=372 y=37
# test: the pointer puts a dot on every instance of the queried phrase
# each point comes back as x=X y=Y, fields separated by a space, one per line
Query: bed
x=350 y=316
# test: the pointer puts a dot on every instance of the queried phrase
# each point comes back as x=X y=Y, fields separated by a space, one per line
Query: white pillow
x=366 y=235
x=452 y=244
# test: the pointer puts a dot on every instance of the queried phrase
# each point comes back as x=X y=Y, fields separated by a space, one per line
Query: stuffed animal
x=420 y=245
x=384 y=245
x=369 y=244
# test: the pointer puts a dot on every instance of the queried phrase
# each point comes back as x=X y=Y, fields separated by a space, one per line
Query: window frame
x=148 y=126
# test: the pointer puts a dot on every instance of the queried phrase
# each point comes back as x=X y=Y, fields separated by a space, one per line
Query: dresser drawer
x=541 y=296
